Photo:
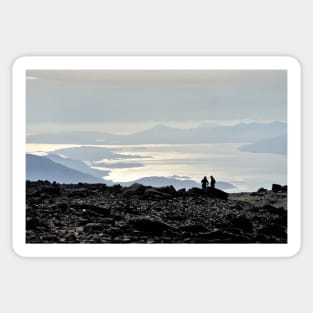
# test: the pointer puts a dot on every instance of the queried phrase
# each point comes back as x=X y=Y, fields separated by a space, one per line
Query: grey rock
x=93 y=227
x=276 y=188
x=151 y=193
x=134 y=189
x=149 y=225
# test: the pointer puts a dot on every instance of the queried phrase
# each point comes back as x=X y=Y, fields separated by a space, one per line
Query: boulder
x=79 y=193
x=193 y=228
x=63 y=206
x=93 y=208
x=195 y=191
x=47 y=191
x=93 y=227
x=53 y=190
x=152 y=226
x=215 y=235
x=209 y=192
x=34 y=222
x=168 y=189
x=242 y=223
x=181 y=191
x=274 y=210
x=116 y=188
x=275 y=230
x=276 y=188
x=215 y=193
x=71 y=238
x=262 y=190
x=51 y=238
x=154 y=193
x=279 y=188
x=134 y=190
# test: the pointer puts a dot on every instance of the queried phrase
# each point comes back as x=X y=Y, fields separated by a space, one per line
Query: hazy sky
x=127 y=100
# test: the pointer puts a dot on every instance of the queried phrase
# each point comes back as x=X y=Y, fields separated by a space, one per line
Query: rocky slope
x=95 y=213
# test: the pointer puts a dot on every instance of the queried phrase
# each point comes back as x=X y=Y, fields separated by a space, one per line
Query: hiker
x=204 y=182
x=212 y=182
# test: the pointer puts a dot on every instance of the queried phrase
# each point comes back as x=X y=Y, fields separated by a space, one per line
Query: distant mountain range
x=43 y=168
x=160 y=181
x=77 y=165
x=276 y=145
x=162 y=134
x=89 y=153
x=117 y=165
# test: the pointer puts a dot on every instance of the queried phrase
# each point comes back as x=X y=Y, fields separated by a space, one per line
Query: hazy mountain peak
x=42 y=168
x=163 y=134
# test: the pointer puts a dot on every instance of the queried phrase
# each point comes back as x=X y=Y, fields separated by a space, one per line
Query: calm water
x=248 y=171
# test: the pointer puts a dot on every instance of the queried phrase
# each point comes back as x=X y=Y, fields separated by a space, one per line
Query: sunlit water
x=247 y=171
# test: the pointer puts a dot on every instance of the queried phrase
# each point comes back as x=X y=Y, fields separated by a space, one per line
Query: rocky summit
x=96 y=213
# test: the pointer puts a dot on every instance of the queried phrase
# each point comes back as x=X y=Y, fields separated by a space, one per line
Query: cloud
x=155 y=96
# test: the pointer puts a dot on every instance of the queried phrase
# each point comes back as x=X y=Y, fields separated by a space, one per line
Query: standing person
x=204 y=182
x=212 y=182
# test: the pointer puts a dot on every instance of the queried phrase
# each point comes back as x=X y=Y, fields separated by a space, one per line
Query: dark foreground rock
x=95 y=213
x=279 y=188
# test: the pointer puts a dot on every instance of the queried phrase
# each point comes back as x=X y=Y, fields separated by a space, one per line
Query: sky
x=124 y=101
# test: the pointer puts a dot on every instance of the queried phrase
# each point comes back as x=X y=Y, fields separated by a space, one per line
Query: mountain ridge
x=42 y=168
x=275 y=145
x=162 y=134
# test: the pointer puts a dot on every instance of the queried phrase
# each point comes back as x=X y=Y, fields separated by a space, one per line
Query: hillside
x=41 y=168
x=276 y=145
x=76 y=165
x=162 y=134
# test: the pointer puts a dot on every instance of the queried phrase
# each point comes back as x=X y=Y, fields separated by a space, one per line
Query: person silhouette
x=213 y=181
x=204 y=182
